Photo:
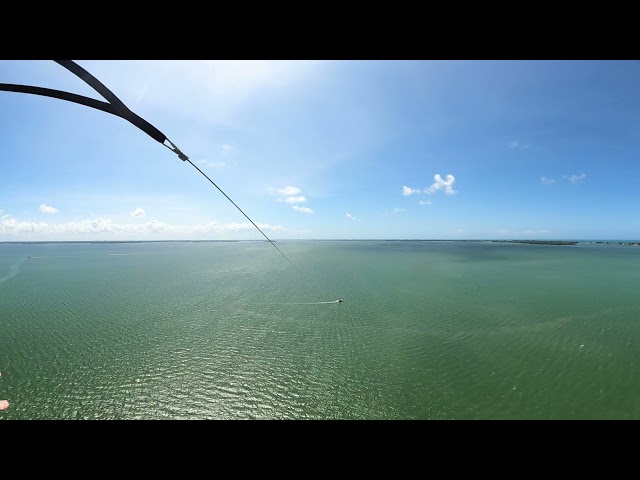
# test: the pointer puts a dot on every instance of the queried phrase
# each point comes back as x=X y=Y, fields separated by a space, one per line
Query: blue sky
x=324 y=150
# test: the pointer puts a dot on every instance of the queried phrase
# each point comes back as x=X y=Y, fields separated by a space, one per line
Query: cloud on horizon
x=102 y=226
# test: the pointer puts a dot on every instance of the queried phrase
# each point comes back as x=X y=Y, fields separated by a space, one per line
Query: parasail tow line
x=116 y=107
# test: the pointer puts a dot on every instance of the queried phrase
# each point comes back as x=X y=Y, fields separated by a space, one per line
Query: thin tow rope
x=114 y=106
x=184 y=158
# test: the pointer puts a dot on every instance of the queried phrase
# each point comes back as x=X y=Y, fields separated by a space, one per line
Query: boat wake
x=14 y=270
x=311 y=303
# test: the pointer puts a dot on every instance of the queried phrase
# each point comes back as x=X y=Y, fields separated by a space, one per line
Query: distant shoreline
x=539 y=242
x=529 y=242
x=563 y=242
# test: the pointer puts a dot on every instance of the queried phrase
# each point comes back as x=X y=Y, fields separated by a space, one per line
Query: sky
x=321 y=149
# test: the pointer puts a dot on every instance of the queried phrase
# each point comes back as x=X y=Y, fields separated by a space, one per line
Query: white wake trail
x=310 y=303
x=13 y=270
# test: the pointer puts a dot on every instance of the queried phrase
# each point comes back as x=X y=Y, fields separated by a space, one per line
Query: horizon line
x=332 y=240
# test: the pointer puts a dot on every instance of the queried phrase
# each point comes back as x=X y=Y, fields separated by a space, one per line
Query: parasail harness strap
x=114 y=106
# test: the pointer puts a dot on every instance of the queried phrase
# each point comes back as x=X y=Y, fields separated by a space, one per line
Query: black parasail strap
x=113 y=105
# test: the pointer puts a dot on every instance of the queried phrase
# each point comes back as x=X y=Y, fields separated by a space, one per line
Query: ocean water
x=229 y=330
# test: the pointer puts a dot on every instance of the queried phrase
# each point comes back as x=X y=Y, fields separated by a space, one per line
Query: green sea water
x=228 y=330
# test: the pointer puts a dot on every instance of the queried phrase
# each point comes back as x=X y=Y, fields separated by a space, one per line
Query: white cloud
x=516 y=145
x=398 y=210
x=289 y=191
x=406 y=191
x=302 y=209
x=352 y=217
x=106 y=226
x=422 y=202
x=295 y=199
x=577 y=178
x=440 y=184
x=138 y=212
x=460 y=230
x=5 y=216
x=44 y=208
x=547 y=181
x=226 y=149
